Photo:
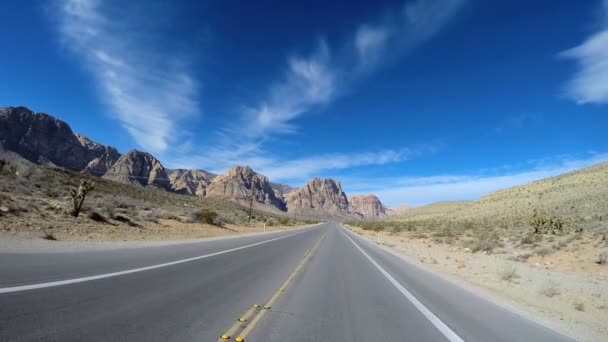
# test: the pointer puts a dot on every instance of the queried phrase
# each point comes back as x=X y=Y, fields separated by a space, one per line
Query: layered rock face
x=240 y=183
x=280 y=190
x=399 y=211
x=367 y=206
x=41 y=138
x=108 y=155
x=191 y=182
x=139 y=168
x=319 y=196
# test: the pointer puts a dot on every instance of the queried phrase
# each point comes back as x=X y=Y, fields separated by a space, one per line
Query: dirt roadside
x=554 y=290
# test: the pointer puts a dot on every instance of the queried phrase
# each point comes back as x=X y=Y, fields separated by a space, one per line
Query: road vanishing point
x=320 y=283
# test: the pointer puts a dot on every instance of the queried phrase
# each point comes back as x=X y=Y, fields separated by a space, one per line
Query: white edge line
x=442 y=327
x=133 y=270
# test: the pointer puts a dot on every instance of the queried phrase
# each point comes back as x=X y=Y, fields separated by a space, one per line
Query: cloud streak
x=590 y=83
x=148 y=91
x=314 y=81
x=299 y=170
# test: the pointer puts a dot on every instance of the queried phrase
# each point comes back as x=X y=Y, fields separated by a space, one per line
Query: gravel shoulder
x=32 y=242
x=555 y=290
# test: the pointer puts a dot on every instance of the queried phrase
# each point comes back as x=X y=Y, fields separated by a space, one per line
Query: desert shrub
x=54 y=192
x=543 y=252
x=542 y=224
x=602 y=258
x=123 y=205
x=205 y=216
x=579 y=306
x=125 y=219
x=549 y=289
x=527 y=239
x=486 y=241
x=284 y=221
x=446 y=232
x=208 y=216
x=508 y=274
x=271 y=222
x=522 y=257
x=49 y=236
x=151 y=216
x=223 y=219
x=95 y=216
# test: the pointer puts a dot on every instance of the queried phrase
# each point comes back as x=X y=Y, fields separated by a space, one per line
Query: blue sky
x=416 y=101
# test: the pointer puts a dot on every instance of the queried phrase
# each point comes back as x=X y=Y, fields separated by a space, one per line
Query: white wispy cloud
x=415 y=191
x=314 y=81
x=309 y=82
x=147 y=90
x=295 y=171
x=590 y=83
x=302 y=169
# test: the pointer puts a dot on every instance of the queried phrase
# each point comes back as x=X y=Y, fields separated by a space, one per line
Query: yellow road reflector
x=254 y=314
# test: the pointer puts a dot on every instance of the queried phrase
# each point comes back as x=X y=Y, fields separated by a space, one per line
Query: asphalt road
x=322 y=284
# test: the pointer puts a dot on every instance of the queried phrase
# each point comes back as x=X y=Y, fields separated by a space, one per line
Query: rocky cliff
x=240 y=183
x=320 y=197
x=107 y=156
x=191 y=182
x=139 y=168
x=367 y=206
x=41 y=138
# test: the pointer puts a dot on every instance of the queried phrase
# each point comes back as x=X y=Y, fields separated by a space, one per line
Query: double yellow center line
x=245 y=324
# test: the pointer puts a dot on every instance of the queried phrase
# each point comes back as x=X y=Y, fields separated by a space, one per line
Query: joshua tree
x=78 y=195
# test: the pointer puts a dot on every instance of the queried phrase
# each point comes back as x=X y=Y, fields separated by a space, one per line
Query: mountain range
x=46 y=140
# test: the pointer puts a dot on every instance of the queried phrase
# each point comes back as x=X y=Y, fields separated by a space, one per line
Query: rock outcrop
x=42 y=139
x=139 y=168
x=367 y=206
x=240 y=183
x=107 y=156
x=280 y=190
x=399 y=211
x=320 y=197
x=191 y=182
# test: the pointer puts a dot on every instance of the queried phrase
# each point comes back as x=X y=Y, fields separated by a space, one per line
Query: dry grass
x=36 y=199
x=539 y=219
x=549 y=289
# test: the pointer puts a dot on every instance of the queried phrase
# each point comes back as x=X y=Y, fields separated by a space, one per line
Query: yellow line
x=230 y=333
x=258 y=312
x=276 y=295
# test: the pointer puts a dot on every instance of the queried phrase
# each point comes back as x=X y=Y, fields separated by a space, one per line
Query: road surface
x=318 y=284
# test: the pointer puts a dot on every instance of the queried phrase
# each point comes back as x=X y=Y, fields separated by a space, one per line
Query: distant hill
x=577 y=197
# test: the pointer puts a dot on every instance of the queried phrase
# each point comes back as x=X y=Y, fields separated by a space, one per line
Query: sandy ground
x=82 y=237
x=566 y=290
